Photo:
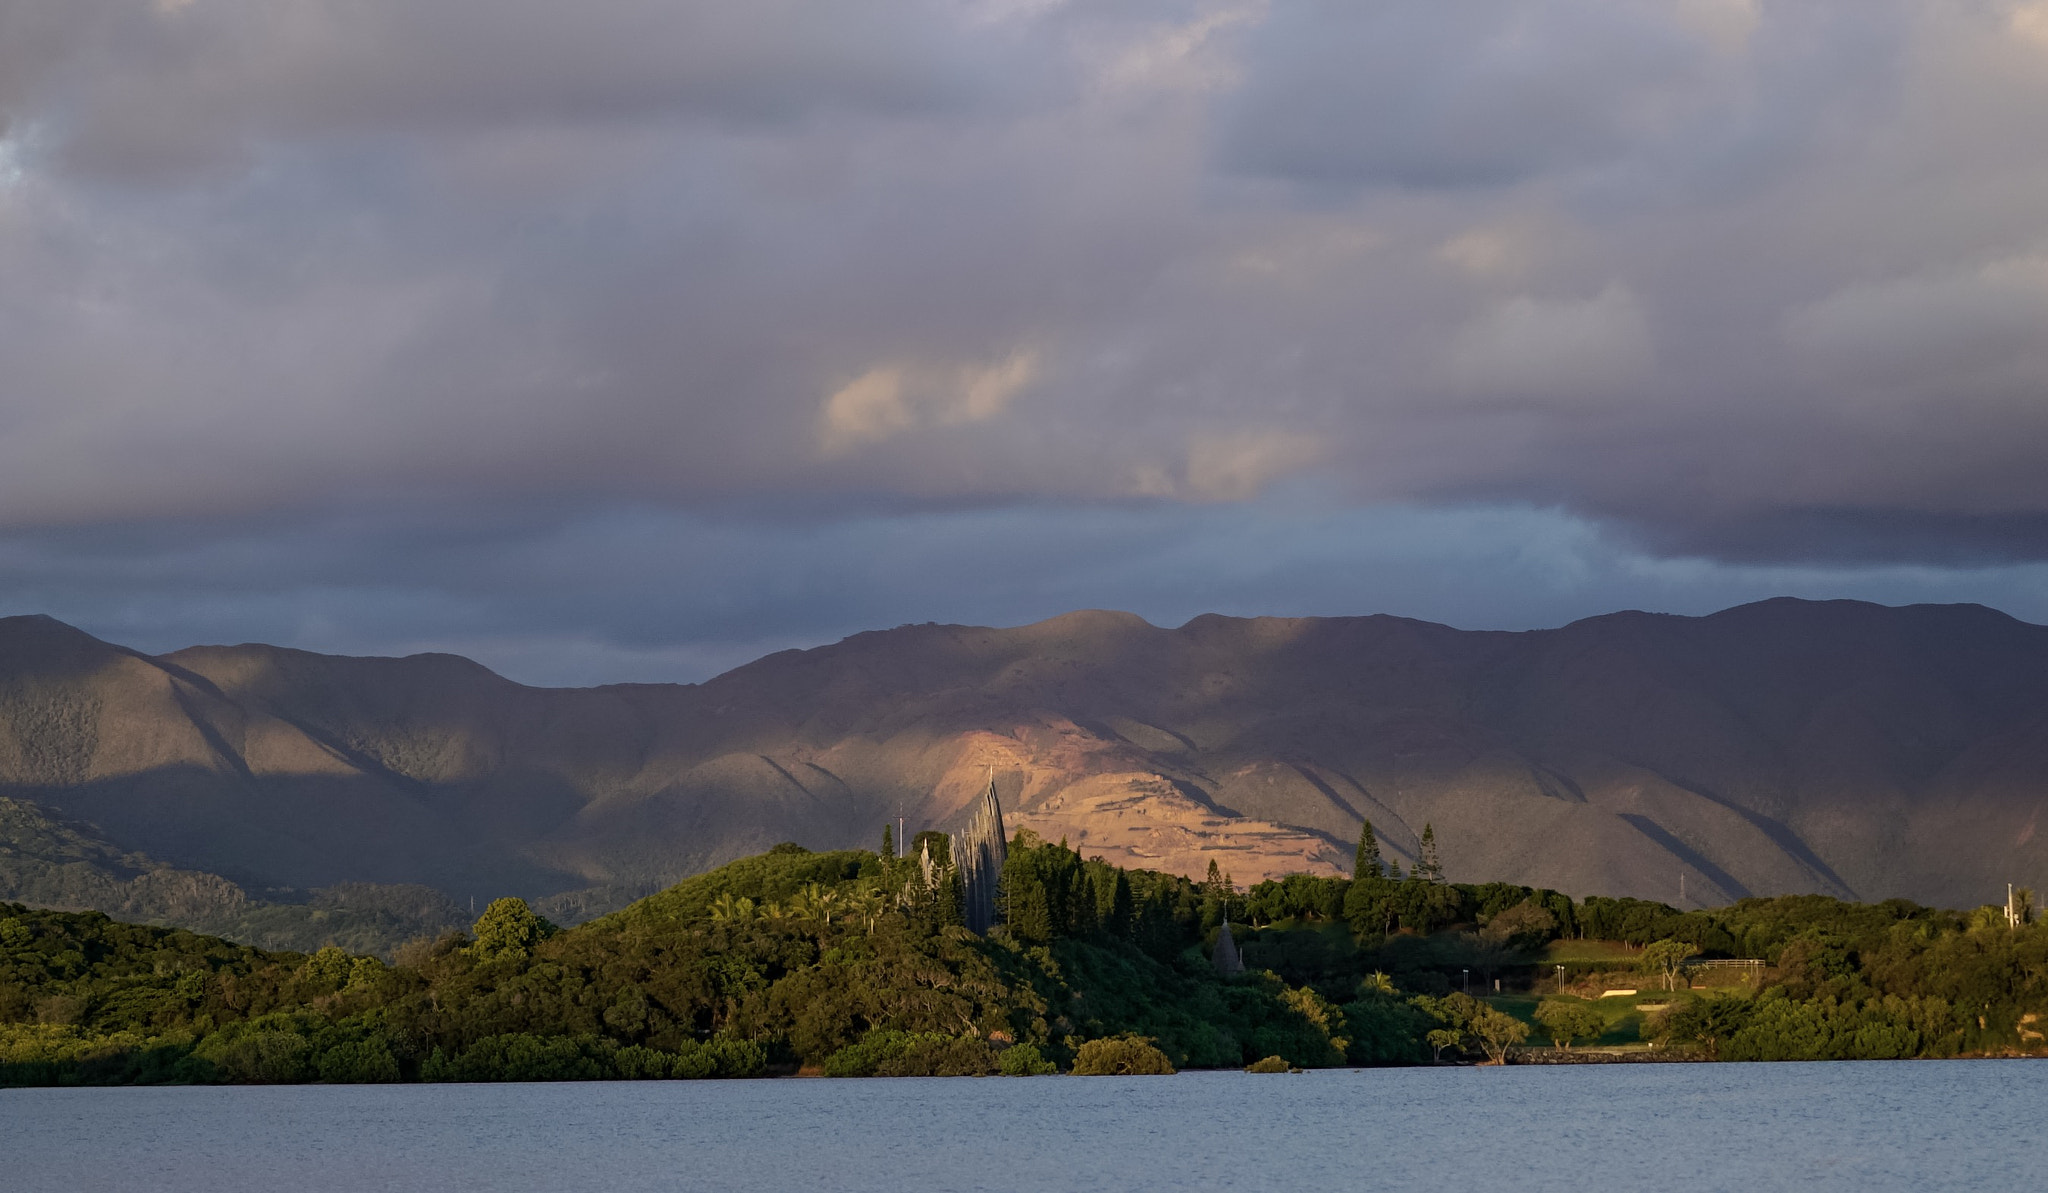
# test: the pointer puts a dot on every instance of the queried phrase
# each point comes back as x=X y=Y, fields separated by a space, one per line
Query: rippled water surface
x=1903 y=1125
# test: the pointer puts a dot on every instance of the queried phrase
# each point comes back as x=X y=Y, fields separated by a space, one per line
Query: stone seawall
x=1599 y=1056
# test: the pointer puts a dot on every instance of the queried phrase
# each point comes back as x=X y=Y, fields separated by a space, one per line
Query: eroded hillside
x=1781 y=747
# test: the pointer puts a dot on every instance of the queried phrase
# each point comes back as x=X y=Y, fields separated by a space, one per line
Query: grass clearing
x=1623 y=1016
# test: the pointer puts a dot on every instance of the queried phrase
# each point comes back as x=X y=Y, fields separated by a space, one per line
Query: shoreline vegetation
x=853 y=963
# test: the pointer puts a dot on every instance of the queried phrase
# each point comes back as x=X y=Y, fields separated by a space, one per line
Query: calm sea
x=1975 y=1125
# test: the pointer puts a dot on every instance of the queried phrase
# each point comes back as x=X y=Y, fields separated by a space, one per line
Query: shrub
x=912 y=1054
x=720 y=1057
x=1024 y=1060
x=522 y=1057
x=1271 y=1064
x=958 y=1057
x=1121 y=1056
x=364 y=1062
x=1306 y=1032
x=258 y=1054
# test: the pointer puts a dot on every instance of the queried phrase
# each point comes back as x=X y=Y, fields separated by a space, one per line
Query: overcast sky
x=630 y=339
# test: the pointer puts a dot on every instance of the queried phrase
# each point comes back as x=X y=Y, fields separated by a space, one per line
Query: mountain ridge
x=1777 y=747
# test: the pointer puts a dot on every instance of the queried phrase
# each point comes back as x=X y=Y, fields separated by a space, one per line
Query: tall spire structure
x=979 y=852
x=1226 y=958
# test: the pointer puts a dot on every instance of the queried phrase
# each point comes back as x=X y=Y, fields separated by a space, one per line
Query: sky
x=633 y=339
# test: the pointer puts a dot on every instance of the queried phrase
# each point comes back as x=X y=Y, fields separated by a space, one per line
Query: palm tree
x=819 y=902
x=868 y=903
x=726 y=909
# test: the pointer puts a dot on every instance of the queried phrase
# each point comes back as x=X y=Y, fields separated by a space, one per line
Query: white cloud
x=890 y=399
x=864 y=410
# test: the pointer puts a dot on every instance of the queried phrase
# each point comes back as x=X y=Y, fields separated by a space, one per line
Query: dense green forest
x=45 y=862
x=853 y=963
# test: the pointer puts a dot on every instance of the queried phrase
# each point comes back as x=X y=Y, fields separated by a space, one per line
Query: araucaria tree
x=1427 y=866
x=1367 y=863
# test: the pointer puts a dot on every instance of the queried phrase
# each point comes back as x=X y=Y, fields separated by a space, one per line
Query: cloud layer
x=1737 y=279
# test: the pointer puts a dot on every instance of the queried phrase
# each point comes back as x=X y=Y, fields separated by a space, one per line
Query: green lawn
x=1623 y=1015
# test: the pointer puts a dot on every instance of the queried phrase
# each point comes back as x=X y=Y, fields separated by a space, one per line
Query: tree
x=1707 y=1022
x=888 y=841
x=1428 y=867
x=1121 y=1056
x=1456 y=1013
x=728 y=910
x=1367 y=862
x=1667 y=958
x=1117 y=919
x=1566 y=1021
x=1497 y=1033
x=508 y=930
x=1369 y=907
x=867 y=904
x=1526 y=925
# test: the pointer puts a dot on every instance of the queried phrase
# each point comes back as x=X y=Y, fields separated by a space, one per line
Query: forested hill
x=854 y=964
x=1788 y=746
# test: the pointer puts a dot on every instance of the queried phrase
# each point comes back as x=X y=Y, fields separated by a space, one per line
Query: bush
x=1386 y=1029
x=1121 y=1056
x=1306 y=1032
x=522 y=1057
x=912 y=1054
x=728 y=1057
x=1271 y=1064
x=258 y=1053
x=635 y=1063
x=364 y=1062
x=1024 y=1060
x=960 y=1057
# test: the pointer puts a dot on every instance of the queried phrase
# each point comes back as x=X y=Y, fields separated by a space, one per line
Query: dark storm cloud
x=598 y=595
x=1727 y=279
x=139 y=87
x=1491 y=93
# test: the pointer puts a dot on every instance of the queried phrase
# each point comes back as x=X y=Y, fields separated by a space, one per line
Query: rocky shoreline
x=1600 y=1056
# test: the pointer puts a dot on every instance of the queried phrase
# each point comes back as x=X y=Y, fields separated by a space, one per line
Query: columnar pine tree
x=1120 y=921
x=1367 y=863
x=888 y=840
x=1427 y=867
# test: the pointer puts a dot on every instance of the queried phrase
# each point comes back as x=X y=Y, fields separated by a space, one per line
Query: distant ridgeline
x=853 y=963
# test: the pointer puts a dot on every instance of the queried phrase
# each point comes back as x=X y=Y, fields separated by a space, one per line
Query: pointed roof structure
x=1226 y=958
x=980 y=852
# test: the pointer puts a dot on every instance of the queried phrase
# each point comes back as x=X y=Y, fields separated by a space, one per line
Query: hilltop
x=1782 y=747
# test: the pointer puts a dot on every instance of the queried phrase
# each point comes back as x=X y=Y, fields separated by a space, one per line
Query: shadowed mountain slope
x=1779 y=747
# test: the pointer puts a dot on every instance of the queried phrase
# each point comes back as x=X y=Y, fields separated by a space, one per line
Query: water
x=1867 y=1126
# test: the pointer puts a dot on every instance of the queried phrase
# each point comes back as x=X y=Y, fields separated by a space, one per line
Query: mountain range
x=1785 y=746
